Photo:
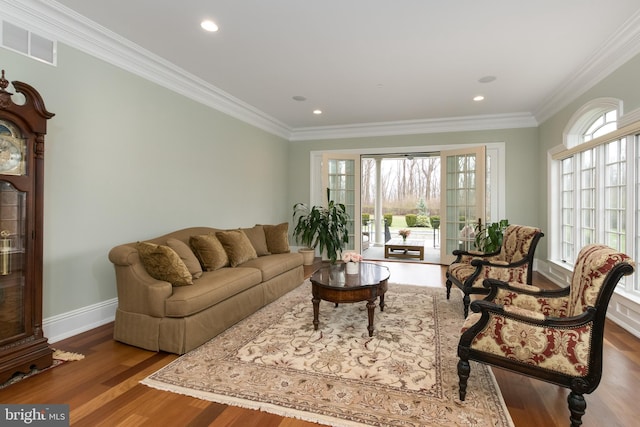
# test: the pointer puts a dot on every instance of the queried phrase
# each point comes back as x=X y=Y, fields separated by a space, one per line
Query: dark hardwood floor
x=104 y=389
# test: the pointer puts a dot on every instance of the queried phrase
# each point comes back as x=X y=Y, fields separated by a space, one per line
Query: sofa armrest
x=138 y=292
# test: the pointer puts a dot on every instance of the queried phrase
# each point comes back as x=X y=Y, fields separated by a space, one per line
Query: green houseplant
x=489 y=238
x=322 y=228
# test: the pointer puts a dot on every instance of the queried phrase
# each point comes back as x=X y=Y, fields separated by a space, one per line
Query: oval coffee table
x=331 y=283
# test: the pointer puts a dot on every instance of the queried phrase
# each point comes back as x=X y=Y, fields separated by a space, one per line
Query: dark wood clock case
x=23 y=125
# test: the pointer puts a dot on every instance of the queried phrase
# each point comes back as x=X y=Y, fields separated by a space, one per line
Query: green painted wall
x=127 y=160
x=621 y=84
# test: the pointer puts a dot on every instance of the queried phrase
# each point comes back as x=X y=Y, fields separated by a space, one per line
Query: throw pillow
x=277 y=238
x=187 y=256
x=163 y=263
x=237 y=245
x=209 y=251
x=257 y=238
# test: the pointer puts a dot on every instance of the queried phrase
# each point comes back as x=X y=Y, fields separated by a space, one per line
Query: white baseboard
x=61 y=326
x=626 y=313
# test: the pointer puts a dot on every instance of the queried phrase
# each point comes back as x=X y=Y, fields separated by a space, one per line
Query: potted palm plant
x=321 y=227
x=489 y=238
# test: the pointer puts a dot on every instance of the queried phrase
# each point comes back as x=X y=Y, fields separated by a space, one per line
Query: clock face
x=11 y=156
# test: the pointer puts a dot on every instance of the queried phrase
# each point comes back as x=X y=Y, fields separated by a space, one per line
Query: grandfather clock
x=23 y=126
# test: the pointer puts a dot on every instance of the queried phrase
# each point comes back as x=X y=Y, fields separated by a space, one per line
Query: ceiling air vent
x=30 y=44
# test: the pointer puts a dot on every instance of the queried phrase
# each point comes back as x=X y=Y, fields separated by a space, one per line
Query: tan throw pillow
x=277 y=238
x=209 y=251
x=163 y=263
x=237 y=245
x=257 y=239
x=187 y=256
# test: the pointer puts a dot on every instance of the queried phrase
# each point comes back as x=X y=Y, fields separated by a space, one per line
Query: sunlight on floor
x=415 y=273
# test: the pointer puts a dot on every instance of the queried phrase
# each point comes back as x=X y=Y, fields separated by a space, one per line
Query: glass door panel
x=463 y=204
x=341 y=176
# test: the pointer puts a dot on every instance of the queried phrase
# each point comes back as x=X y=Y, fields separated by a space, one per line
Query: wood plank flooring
x=104 y=390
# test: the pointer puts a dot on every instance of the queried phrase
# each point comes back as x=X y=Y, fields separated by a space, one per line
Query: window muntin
x=605 y=123
x=596 y=202
x=567 y=204
x=588 y=198
x=615 y=190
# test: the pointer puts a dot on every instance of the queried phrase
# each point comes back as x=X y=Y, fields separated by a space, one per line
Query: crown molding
x=60 y=23
x=618 y=49
x=53 y=20
x=410 y=127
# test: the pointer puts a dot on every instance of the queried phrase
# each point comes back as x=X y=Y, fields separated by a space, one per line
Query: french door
x=462 y=199
x=341 y=176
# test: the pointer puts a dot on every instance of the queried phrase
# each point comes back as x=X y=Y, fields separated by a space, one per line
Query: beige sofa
x=189 y=307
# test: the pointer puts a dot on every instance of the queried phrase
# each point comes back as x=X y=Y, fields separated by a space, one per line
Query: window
x=604 y=124
x=594 y=194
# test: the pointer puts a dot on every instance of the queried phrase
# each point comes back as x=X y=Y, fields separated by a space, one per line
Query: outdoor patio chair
x=513 y=262
x=387 y=233
x=552 y=335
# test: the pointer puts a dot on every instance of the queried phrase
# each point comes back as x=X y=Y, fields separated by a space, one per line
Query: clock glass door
x=12 y=272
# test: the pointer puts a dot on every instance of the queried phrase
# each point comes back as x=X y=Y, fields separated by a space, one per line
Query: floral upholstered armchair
x=555 y=336
x=513 y=262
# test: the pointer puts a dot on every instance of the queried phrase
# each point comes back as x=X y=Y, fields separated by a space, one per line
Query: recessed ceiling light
x=487 y=79
x=317 y=112
x=478 y=98
x=299 y=98
x=209 y=25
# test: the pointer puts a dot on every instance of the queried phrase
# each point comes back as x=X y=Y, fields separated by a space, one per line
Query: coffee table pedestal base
x=343 y=295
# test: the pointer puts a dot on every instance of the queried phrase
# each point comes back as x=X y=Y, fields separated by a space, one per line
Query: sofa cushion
x=209 y=251
x=187 y=256
x=277 y=238
x=237 y=246
x=163 y=263
x=258 y=239
x=274 y=265
x=210 y=289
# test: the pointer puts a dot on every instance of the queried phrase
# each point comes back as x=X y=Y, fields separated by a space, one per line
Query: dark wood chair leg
x=577 y=406
x=448 y=288
x=466 y=300
x=463 y=374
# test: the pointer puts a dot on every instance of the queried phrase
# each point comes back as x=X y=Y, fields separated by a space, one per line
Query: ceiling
x=380 y=61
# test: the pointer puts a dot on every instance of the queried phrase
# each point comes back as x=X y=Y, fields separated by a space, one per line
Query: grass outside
x=399 y=222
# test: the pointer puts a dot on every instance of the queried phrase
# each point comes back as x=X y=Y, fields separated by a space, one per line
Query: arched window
x=591 y=175
x=607 y=122
x=594 y=119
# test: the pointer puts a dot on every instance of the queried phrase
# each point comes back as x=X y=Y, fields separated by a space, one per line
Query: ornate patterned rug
x=405 y=375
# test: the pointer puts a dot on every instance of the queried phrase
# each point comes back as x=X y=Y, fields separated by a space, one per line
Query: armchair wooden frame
x=488 y=265
x=592 y=317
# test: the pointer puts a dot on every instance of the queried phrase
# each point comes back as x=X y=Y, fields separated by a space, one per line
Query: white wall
x=127 y=160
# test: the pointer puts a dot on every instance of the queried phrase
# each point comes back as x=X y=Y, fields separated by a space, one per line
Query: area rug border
x=323 y=417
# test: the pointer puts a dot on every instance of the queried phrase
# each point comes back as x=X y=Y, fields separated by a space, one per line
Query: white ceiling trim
x=621 y=47
x=65 y=25
x=410 y=127
x=58 y=22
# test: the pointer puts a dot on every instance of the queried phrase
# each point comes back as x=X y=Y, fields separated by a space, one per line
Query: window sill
x=631 y=296
x=559 y=265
